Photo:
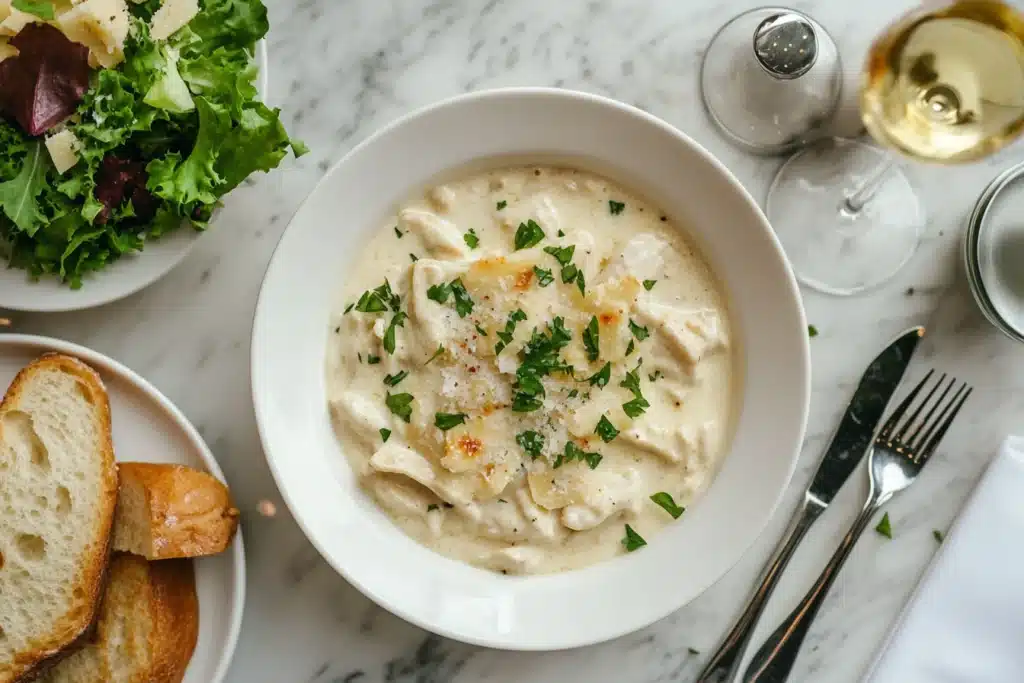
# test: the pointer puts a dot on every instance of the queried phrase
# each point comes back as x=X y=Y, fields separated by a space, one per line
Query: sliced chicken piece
x=641 y=258
x=442 y=239
x=363 y=414
x=690 y=445
x=395 y=459
x=691 y=334
x=441 y=198
x=399 y=495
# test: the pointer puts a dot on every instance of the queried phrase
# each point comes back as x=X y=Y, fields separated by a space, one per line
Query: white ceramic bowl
x=291 y=328
x=127 y=275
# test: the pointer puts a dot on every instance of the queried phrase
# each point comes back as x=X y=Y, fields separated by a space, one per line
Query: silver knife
x=849 y=444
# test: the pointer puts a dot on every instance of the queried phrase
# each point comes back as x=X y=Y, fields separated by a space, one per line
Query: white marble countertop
x=342 y=68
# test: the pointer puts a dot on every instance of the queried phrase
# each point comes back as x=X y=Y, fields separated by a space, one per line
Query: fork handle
x=724 y=664
x=774 y=661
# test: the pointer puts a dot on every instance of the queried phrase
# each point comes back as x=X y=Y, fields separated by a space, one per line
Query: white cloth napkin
x=965 y=621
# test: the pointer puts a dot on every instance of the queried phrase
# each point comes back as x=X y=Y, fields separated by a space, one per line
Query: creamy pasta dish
x=531 y=370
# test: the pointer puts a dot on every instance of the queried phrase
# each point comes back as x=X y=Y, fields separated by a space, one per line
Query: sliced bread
x=58 y=490
x=171 y=511
x=147 y=629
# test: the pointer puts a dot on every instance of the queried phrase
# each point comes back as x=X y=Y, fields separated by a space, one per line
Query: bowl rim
x=802 y=388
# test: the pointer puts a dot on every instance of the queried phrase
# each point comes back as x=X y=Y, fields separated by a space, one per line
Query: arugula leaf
x=528 y=234
x=591 y=339
x=632 y=540
x=400 y=405
x=19 y=196
x=668 y=504
x=393 y=380
x=446 y=421
x=606 y=430
x=544 y=277
x=531 y=442
x=601 y=377
x=39 y=8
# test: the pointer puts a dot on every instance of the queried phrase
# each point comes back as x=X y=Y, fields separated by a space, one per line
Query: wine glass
x=943 y=84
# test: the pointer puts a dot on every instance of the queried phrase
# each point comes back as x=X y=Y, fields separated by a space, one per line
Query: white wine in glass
x=947 y=84
x=943 y=84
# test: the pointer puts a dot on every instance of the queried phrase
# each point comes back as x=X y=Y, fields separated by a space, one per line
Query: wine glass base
x=832 y=249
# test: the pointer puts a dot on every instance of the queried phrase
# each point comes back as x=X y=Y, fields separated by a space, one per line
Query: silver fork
x=901 y=449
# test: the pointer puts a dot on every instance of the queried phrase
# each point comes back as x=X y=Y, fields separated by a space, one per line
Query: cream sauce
x=502 y=487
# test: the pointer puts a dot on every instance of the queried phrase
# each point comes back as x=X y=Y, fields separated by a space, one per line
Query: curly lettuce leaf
x=230 y=23
x=18 y=196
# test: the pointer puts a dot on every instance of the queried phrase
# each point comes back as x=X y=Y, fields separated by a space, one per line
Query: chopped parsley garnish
x=529 y=234
x=385 y=434
x=349 y=308
x=630 y=348
x=639 y=404
x=812 y=331
x=885 y=527
x=538 y=359
x=615 y=207
x=591 y=339
x=574 y=452
x=439 y=293
x=378 y=300
x=432 y=507
x=667 y=504
x=561 y=233
x=649 y=284
x=938 y=536
x=399 y=232
x=371 y=359
x=632 y=540
x=481 y=331
x=531 y=442
x=440 y=350
x=505 y=336
x=446 y=421
x=655 y=376
x=471 y=238
x=574 y=393
x=640 y=333
x=395 y=379
x=502 y=204
x=544 y=277
x=463 y=303
x=389 y=335
x=400 y=405
x=562 y=254
x=569 y=273
x=414 y=257
x=601 y=377
x=359 y=356
x=606 y=430
x=581 y=283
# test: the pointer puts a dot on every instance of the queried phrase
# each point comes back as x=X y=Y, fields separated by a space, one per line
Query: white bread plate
x=487 y=130
x=124 y=277
x=147 y=427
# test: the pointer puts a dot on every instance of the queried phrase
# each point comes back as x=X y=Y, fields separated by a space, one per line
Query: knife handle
x=774 y=661
x=726 y=661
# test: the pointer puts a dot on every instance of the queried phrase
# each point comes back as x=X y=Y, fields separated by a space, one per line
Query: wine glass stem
x=856 y=200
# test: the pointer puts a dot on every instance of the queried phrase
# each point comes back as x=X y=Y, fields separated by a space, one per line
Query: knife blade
x=846 y=449
x=857 y=428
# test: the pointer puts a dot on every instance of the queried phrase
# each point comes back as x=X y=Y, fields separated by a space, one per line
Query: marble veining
x=340 y=69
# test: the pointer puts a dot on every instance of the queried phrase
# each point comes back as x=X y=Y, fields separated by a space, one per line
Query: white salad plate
x=124 y=277
x=290 y=334
x=147 y=427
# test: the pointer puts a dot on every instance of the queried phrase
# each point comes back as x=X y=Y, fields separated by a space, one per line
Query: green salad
x=123 y=121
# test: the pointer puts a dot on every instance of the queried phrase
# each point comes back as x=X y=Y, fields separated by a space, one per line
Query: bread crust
x=190 y=513
x=175 y=620
x=79 y=623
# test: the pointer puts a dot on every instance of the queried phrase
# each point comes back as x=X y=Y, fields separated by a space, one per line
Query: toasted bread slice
x=58 y=489
x=147 y=629
x=170 y=511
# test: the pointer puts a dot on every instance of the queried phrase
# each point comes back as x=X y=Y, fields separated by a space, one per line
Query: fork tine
x=890 y=424
x=901 y=435
x=913 y=441
x=931 y=441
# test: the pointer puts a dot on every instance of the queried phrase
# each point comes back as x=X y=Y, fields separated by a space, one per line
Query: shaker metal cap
x=786 y=45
